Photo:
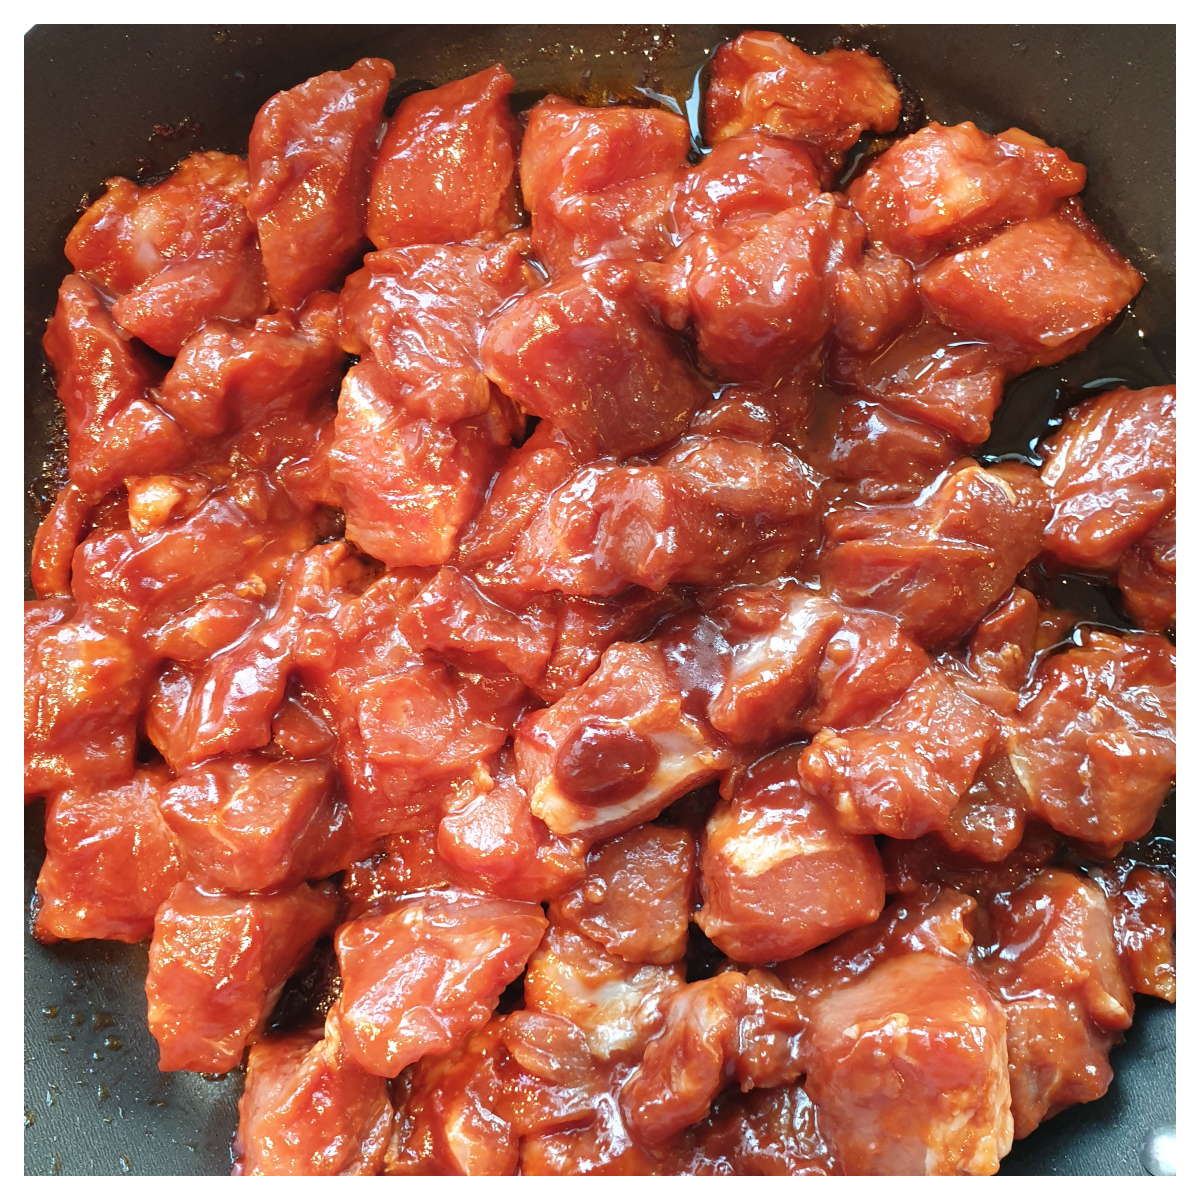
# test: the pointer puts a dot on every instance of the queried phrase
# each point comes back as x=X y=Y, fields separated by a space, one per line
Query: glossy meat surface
x=1056 y=972
x=419 y=977
x=217 y=965
x=778 y=874
x=908 y=1066
x=1094 y=745
x=1043 y=287
x=102 y=379
x=760 y=294
x=600 y=183
x=311 y=153
x=304 y=1112
x=753 y=174
x=174 y=255
x=408 y=485
x=1111 y=474
x=247 y=823
x=421 y=311
x=932 y=375
x=903 y=773
x=710 y=510
x=586 y=354
x=445 y=171
x=762 y=81
x=940 y=562
x=945 y=184
x=227 y=378
x=636 y=896
x=110 y=862
x=615 y=751
x=1146 y=577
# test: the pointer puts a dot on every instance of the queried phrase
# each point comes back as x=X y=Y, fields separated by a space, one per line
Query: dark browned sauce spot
x=604 y=763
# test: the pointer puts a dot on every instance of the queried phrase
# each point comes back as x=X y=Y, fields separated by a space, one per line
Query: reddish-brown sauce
x=700 y=763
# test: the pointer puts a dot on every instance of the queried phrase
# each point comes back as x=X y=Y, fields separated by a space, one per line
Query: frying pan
x=106 y=100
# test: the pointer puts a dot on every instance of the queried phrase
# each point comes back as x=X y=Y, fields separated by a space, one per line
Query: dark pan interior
x=134 y=100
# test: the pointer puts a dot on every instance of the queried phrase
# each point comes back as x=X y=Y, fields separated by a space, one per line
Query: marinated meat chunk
x=599 y=183
x=228 y=377
x=453 y=617
x=1054 y=966
x=927 y=918
x=760 y=294
x=876 y=296
x=765 y=493
x=251 y=823
x=946 y=183
x=769 y=1131
x=1146 y=577
x=1043 y=288
x=778 y=874
x=304 y=1112
x=218 y=964
x=405 y=864
x=404 y=722
x=586 y=354
x=1094 y=745
x=762 y=81
x=764 y=664
x=908 y=1069
x=933 y=376
x=240 y=536
x=113 y=428
x=586 y=627
x=1002 y=648
x=618 y=1005
x=941 y=562
x=711 y=510
x=54 y=544
x=903 y=773
x=299 y=727
x=989 y=822
x=445 y=171
x=1142 y=902
x=760 y=413
x=110 y=862
x=418 y=978
x=232 y=701
x=1111 y=474
x=868 y=664
x=871 y=453
x=84 y=686
x=491 y=841
x=174 y=255
x=311 y=153
x=430 y=721
x=408 y=485
x=684 y=1067
x=730 y=1027
x=545 y=460
x=616 y=751
x=751 y=175
x=777 y=637
x=448 y=1119
x=551 y=1080
x=421 y=312
x=636 y=896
